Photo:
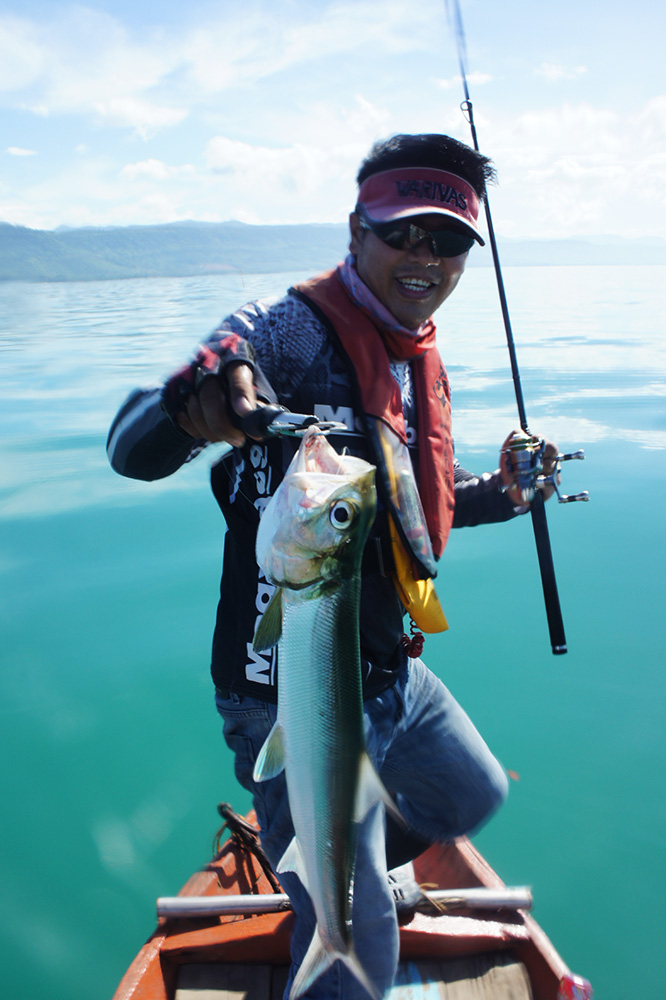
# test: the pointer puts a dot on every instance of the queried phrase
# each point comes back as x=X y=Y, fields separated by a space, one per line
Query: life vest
x=421 y=518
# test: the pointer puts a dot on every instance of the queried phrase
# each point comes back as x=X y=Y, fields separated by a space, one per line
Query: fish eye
x=341 y=514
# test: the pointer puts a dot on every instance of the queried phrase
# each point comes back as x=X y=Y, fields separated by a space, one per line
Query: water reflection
x=590 y=348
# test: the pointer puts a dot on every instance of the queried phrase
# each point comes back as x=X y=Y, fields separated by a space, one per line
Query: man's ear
x=355 y=231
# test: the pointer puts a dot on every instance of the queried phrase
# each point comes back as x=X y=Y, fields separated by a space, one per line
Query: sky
x=131 y=113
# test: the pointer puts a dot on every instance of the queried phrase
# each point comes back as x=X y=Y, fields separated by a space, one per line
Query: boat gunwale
x=264 y=938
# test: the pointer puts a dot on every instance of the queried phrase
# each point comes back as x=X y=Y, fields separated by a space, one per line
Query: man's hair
x=439 y=152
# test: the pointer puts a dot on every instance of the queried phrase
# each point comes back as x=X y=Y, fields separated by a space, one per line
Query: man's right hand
x=207 y=416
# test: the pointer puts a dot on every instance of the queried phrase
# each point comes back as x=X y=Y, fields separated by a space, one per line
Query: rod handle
x=551 y=597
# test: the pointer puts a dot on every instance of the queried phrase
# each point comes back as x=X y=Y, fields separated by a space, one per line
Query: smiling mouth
x=415 y=285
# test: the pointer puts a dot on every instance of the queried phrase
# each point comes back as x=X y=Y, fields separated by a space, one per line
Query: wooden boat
x=226 y=935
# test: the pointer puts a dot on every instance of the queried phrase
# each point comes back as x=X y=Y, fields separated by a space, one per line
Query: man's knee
x=485 y=799
x=466 y=810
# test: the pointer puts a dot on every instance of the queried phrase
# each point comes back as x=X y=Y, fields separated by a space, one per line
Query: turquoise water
x=113 y=761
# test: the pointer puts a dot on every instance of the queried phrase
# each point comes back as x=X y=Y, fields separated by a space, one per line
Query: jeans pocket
x=247 y=723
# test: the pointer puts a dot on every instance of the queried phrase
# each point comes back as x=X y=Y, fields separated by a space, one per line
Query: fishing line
x=537 y=509
x=455 y=19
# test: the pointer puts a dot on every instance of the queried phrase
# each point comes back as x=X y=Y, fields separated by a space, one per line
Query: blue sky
x=119 y=113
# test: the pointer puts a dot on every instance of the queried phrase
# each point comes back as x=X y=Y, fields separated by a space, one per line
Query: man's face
x=411 y=283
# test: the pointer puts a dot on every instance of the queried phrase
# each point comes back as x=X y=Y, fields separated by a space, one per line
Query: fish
x=309 y=545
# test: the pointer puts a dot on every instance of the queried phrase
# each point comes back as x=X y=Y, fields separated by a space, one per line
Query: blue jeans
x=429 y=756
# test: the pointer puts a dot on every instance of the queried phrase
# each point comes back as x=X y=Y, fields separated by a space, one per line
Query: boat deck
x=477 y=977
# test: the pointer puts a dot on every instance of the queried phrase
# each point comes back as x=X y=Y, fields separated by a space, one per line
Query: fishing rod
x=525 y=452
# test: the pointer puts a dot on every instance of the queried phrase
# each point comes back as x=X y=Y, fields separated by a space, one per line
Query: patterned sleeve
x=144 y=443
x=479 y=499
x=285 y=337
x=279 y=341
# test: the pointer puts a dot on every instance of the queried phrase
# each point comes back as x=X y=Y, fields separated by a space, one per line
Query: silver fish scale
x=320 y=687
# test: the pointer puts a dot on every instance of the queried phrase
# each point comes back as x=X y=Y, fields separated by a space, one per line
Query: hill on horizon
x=181 y=249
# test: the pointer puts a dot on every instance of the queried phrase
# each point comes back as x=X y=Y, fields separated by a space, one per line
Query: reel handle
x=572 y=497
x=583 y=496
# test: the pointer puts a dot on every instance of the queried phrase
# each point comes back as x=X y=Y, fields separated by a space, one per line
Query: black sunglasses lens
x=451 y=244
x=444 y=242
x=397 y=239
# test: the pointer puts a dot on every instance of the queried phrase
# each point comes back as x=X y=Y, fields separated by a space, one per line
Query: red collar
x=365 y=345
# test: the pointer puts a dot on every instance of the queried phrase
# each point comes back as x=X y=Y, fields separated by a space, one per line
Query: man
x=356 y=345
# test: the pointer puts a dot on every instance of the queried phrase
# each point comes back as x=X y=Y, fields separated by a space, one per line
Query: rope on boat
x=246 y=838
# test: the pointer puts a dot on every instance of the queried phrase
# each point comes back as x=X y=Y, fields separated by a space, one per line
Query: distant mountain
x=188 y=248
x=171 y=250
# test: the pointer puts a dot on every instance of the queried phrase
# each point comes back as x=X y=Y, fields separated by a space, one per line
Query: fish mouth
x=294 y=569
x=296 y=585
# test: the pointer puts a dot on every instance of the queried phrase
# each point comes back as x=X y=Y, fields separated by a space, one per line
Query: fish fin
x=318 y=958
x=269 y=628
x=270 y=761
x=370 y=791
x=292 y=861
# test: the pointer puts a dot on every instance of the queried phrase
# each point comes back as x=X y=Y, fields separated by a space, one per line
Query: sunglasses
x=402 y=235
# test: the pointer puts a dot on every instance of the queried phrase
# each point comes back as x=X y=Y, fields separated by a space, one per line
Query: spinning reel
x=525 y=454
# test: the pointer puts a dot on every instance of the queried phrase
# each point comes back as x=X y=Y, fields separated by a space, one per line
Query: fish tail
x=318 y=959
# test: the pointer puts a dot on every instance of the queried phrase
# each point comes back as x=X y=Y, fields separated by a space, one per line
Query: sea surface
x=112 y=755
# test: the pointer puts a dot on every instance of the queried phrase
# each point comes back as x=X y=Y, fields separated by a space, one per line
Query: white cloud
x=83 y=61
x=652 y=120
x=39 y=110
x=225 y=155
x=19 y=151
x=475 y=79
x=144 y=117
x=554 y=71
x=307 y=180
x=578 y=130
x=264 y=182
x=155 y=170
x=81 y=58
x=287 y=148
x=363 y=117
x=21 y=54
x=580 y=169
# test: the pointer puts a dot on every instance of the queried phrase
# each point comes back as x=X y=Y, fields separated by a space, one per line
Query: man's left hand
x=551 y=451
